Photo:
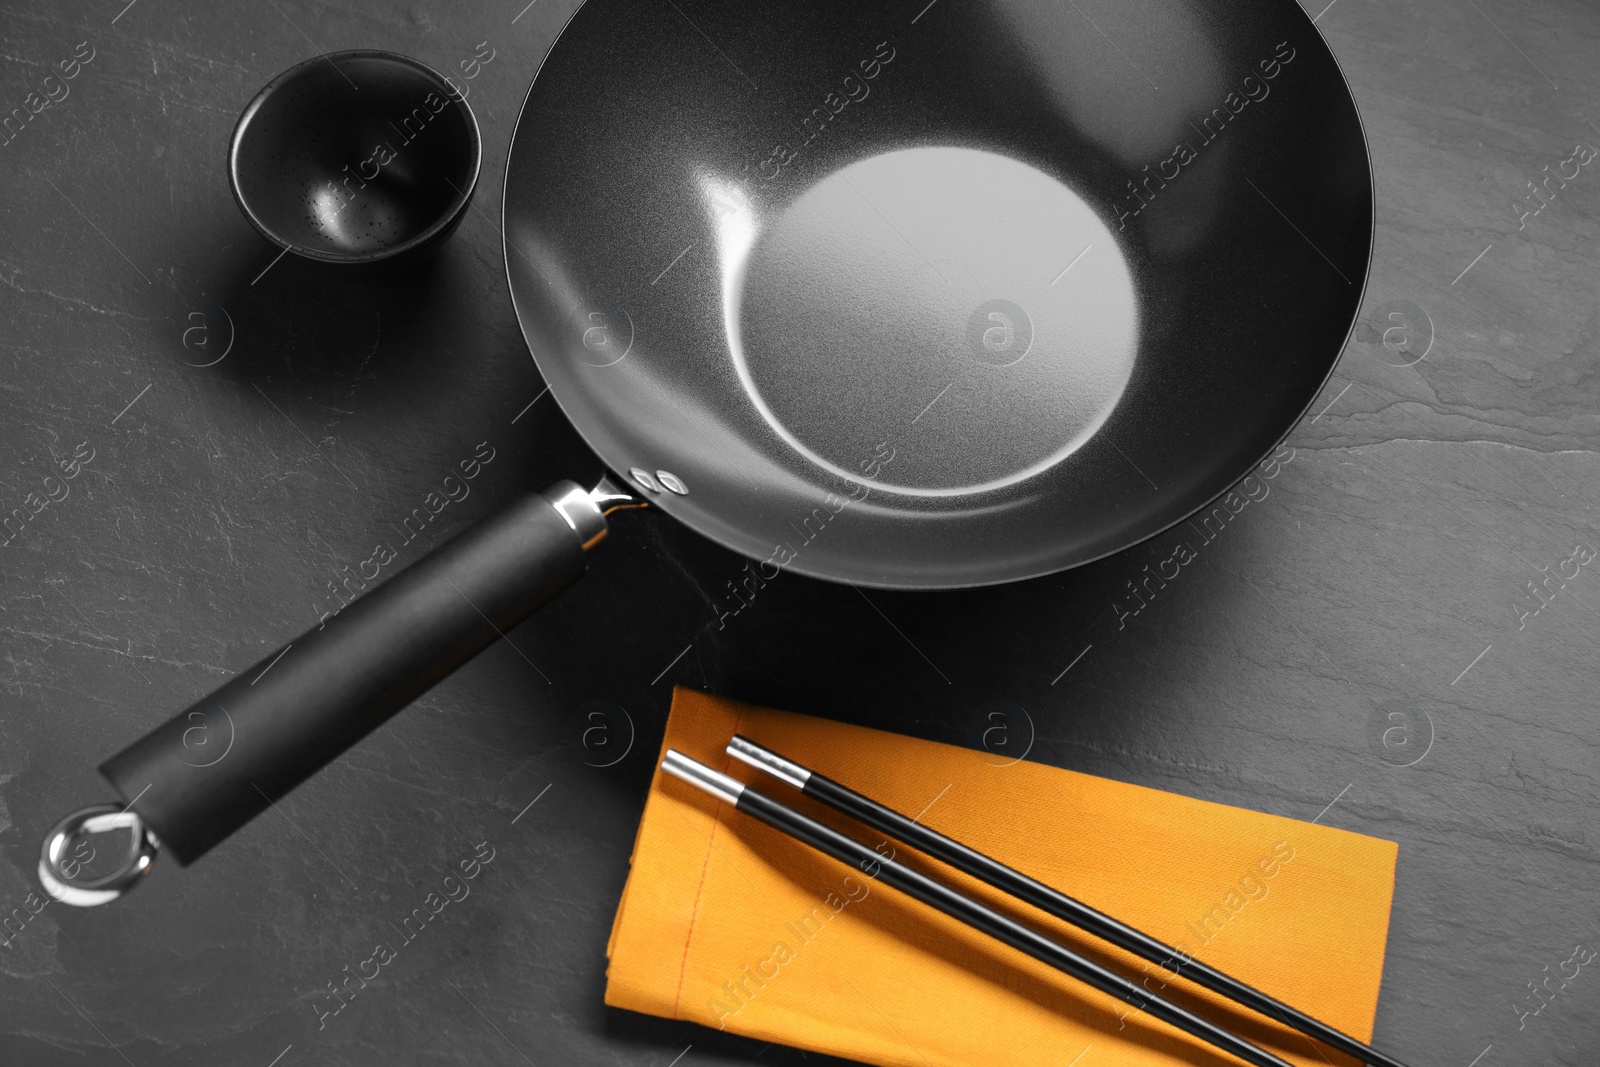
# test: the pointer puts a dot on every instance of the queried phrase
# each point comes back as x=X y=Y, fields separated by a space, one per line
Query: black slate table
x=1360 y=645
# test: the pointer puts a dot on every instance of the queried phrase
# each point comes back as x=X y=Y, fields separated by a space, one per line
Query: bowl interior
x=351 y=156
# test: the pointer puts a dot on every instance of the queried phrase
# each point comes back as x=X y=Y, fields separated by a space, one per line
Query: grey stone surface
x=1384 y=574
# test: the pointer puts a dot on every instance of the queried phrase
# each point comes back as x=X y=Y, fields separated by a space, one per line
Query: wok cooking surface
x=943 y=299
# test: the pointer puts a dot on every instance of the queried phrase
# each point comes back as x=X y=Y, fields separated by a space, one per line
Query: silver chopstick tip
x=763 y=759
x=700 y=776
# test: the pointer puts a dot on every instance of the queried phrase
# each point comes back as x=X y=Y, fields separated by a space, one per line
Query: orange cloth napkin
x=726 y=922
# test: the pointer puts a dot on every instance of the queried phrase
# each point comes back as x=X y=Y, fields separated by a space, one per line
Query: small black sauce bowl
x=358 y=157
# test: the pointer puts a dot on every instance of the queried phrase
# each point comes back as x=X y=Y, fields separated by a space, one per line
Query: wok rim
x=949 y=586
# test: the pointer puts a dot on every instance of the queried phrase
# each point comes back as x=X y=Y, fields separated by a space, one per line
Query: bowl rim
x=447 y=218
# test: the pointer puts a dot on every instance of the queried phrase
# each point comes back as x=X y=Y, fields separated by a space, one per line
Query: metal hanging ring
x=58 y=870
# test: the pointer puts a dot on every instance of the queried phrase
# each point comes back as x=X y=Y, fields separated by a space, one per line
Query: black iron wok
x=910 y=295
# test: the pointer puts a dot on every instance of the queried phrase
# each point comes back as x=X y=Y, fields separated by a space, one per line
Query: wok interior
x=944 y=303
x=967 y=306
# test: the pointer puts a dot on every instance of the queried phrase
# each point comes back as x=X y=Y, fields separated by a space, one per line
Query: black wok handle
x=205 y=773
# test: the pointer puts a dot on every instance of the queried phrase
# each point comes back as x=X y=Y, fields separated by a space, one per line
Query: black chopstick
x=970 y=861
x=941 y=897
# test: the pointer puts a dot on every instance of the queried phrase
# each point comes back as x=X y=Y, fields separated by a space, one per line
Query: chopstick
x=970 y=861
x=889 y=872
